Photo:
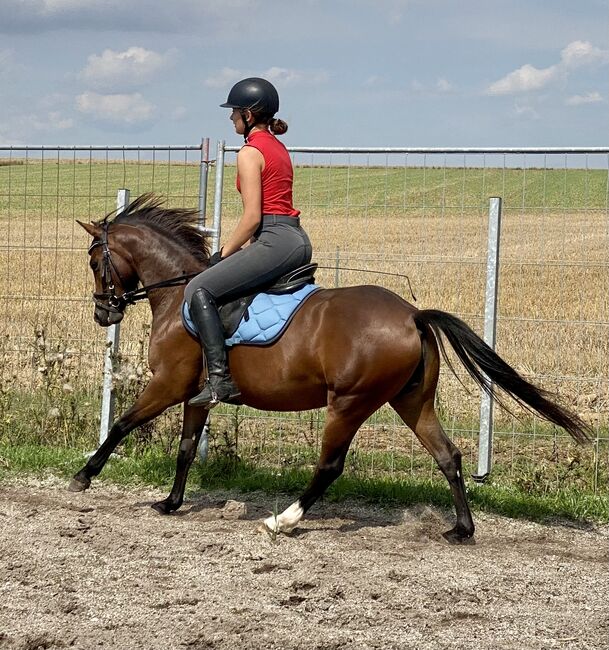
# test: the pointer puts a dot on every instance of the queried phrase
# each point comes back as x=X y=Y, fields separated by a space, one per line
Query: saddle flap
x=232 y=313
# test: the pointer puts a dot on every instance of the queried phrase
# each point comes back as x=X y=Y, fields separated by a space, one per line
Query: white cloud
x=127 y=110
x=63 y=5
x=526 y=111
x=281 y=75
x=9 y=67
x=25 y=127
x=6 y=60
x=287 y=77
x=441 y=86
x=392 y=10
x=179 y=113
x=373 y=80
x=224 y=78
x=580 y=53
x=276 y=75
x=588 y=98
x=444 y=86
x=136 y=66
x=33 y=16
x=55 y=121
x=524 y=79
x=56 y=101
x=529 y=78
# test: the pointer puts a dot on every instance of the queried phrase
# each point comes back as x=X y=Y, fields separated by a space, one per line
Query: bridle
x=108 y=299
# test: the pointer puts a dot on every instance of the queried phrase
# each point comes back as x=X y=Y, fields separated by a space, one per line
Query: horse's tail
x=486 y=367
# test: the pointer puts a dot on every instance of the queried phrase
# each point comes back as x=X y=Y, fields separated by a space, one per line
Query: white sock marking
x=287 y=520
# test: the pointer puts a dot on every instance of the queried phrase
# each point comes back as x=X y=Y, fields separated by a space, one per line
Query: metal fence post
x=112 y=344
x=214 y=231
x=485 y=441
x=216 y=228
x=203 y=448
x=203 y=176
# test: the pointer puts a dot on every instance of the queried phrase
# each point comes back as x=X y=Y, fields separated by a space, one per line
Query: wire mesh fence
x=374 y=216
x=377 y=216
x=51 y=347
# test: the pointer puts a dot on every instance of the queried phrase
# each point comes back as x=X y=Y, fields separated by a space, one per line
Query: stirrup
x=209 y=396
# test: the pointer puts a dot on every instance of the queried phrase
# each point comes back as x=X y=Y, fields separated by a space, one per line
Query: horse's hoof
x=164 y=507
x=79 y=485
x=456 y=536
x=271 y=527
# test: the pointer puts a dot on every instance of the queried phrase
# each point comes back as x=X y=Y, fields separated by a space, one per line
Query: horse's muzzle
x=106 y=318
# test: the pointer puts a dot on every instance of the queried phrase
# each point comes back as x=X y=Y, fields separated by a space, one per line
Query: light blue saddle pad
x=267 y=317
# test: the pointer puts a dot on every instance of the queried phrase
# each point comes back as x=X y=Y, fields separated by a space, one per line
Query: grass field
x=426 y=222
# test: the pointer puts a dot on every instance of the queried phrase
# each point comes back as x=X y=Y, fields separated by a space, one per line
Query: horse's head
x=114 y=274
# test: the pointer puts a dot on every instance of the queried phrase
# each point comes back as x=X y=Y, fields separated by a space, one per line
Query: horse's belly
x=301 y=401
x=275 y=378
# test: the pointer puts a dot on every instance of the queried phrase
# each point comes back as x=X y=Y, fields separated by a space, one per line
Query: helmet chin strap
x=248 y=127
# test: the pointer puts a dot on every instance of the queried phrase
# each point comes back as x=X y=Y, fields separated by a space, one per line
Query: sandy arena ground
x=103 y=570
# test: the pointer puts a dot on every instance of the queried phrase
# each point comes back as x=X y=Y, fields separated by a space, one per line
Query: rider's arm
x=250 y=163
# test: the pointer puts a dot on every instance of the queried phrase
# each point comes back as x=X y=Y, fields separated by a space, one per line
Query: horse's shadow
x=352 y=519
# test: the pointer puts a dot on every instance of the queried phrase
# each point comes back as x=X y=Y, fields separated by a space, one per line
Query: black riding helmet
x=256 y=94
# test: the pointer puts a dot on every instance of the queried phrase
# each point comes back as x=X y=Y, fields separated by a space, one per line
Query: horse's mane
x=178 y=224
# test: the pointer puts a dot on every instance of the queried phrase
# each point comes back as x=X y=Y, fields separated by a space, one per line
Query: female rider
x=266 y=243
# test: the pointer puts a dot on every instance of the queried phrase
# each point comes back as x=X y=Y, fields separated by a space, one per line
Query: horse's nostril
x=100 y=317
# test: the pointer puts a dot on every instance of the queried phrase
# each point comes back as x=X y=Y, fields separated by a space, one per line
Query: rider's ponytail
x=277 y=126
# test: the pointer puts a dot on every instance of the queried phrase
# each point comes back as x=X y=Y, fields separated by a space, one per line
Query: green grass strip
x=154 y=468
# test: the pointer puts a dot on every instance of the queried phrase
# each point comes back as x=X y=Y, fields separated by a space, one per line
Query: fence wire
x=371 y=214
x=420 y=213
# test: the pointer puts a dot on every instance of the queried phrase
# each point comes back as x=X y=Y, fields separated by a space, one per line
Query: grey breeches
x=278 y=249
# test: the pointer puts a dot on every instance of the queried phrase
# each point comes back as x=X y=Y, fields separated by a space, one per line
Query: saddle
x=232 y=313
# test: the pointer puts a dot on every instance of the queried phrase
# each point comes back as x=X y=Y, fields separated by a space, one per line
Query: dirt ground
x=103 y=570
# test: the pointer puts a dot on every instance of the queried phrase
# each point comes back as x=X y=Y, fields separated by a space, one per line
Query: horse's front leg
x=192 y=427
x=155 y=398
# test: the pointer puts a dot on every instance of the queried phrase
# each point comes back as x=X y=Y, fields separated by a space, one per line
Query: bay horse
x=350 y=349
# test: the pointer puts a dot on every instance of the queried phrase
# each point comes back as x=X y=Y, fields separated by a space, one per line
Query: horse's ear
x=92 y=228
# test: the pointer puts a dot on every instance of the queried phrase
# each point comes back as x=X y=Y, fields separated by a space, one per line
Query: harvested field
x=428 y=222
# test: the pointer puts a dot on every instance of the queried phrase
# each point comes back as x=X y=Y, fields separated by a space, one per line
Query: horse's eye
x=94 y=265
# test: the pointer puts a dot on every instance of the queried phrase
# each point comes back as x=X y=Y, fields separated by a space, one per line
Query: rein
x=131 y=297
x=111 y=302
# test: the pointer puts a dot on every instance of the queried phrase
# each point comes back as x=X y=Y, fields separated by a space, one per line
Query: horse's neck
x=160 y=260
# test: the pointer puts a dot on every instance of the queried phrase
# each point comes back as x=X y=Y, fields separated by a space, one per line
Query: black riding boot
x=219 y=386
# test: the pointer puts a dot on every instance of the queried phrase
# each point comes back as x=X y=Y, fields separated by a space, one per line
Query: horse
x=350 y=349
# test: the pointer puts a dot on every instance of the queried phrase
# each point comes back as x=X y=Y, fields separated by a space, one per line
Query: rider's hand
x=215 y=258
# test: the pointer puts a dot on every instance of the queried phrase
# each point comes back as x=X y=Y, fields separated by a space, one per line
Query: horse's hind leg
x=192 y=427
x=419 y=414
x=344 y=417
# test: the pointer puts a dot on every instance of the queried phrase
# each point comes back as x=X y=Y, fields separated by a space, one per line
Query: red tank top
x=277 y=175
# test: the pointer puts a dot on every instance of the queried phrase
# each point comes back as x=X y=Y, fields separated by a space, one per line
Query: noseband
x=108 y=300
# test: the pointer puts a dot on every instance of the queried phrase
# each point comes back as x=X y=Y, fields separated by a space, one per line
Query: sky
x=350 y=73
